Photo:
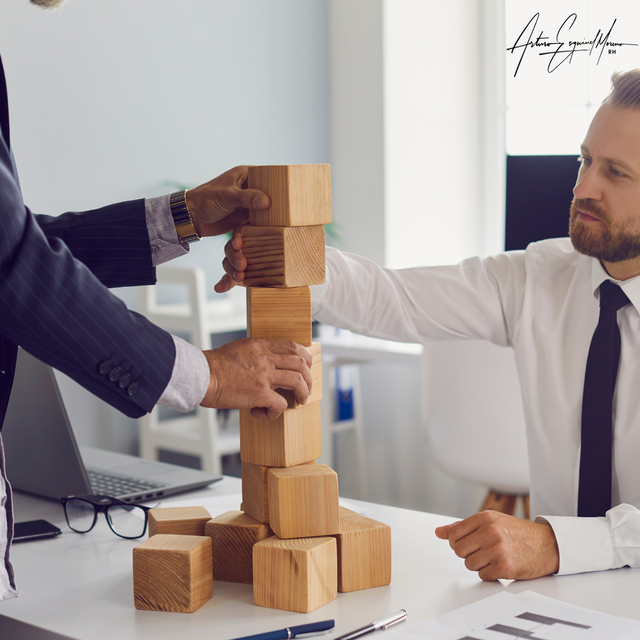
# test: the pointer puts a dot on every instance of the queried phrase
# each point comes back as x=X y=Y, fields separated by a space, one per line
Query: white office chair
x=475 y=420
x=198 y=433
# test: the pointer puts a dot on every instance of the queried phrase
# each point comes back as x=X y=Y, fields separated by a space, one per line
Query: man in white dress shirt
x=544 y=303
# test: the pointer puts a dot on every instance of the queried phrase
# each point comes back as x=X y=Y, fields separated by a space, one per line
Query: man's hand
x=500 y=546
x=234 y=264
x=220 y=205
x=245 y=374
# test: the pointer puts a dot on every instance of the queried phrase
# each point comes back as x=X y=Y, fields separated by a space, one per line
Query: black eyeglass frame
x=101 y=504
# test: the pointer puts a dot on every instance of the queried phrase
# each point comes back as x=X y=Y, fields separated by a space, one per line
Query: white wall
x=110 y=99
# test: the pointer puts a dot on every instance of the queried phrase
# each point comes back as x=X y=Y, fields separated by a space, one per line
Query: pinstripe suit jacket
x=53 y=297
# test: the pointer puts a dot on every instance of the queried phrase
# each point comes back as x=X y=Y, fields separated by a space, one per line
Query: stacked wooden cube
x=291 y=539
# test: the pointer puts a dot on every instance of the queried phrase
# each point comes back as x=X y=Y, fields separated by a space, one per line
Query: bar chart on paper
x=527 y=615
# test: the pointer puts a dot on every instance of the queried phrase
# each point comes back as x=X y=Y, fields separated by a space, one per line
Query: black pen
x=389 y=621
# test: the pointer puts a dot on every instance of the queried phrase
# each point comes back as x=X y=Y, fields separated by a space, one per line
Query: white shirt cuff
x=189 y=379
x=163 y=237
x=584 y=543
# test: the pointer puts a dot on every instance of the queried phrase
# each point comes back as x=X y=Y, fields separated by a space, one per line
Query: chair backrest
x=474 y=415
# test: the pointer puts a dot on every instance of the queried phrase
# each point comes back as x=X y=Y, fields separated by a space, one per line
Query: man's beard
x=48 y=4
x=609 y=241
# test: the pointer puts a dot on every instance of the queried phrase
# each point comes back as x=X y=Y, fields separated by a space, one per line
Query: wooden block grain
x=233 y=535
x=188 y=521
x=300 y=194
x=291 y=439
x=255 y=490
x=172 y=573
x=316 y=375
x=303 y=501
x=364 y=552
x=295 y=575
x=279 y=314
x=283 y=256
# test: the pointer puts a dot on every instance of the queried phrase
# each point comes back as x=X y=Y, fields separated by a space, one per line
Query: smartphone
x=34 y=530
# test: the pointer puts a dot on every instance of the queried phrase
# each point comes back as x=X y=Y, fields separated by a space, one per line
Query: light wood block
x=172 y=573
x=295 y=575
x=364 y=552
x=291 y=439
x=233 y=535
x=187 y=521
x=283 y=256
x=303 y=501
x=300 y=194
x=316 y=375
x=255 y=491
x=279 y=314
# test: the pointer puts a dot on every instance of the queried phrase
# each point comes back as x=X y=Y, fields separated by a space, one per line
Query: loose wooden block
x=364 y=552
x=279 y=314
x=233 y=535
x=303 y=501
x=295 y=575
x=172 y=573
x=187 y=521
x=316 y=375
x=283 y=256
x=300 y=194
x=255 y=491
x=292 y=438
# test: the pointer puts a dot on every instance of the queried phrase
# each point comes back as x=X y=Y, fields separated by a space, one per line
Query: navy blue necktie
x=594 y=492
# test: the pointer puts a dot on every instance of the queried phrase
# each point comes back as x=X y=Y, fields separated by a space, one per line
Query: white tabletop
x=81 y=585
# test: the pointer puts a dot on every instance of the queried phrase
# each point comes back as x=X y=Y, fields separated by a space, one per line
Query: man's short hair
x=625 y=90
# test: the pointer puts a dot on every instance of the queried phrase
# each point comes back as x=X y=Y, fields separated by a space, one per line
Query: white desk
x=81 y=585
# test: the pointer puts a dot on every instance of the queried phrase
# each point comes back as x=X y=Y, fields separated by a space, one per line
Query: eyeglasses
x=125 y=520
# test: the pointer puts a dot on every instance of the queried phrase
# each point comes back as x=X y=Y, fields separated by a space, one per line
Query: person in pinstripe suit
x=54 y=302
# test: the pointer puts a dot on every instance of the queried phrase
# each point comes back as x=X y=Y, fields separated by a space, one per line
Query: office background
x=405 y=99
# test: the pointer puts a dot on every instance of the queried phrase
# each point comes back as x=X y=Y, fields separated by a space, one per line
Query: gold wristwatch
x=182 y=218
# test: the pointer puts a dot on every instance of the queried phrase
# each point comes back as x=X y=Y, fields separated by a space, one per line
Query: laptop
x=43 y=457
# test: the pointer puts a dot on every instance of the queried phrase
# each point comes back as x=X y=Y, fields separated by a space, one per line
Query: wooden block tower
x=291 y=539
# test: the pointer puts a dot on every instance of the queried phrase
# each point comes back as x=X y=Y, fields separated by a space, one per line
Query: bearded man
x=569 y=308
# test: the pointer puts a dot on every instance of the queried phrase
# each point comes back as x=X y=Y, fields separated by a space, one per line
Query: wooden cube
x=172 y=573
x=187 y=521
x=316 y=375
x=300 y=194
x=279 y=314
x=233 y=535
x=364 y=552
x=291 y=439
x=283 y=256
x=255 y=491
x=303 y=501
x=294 y=575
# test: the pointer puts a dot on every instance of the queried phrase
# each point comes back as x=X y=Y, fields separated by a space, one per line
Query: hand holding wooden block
x=279 y=314
x=300 y=194
x=172 y=573
x=294 y=575
x=187 y=521
x=233 y=535
x=303 y=501
x=292 y=438
x=283 y=256
x=364 y=552
x=316 y=375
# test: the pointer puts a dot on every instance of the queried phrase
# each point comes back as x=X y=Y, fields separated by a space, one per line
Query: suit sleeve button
x=105 y=367
x=115 y=374
x=124 y=381
x=132 y=389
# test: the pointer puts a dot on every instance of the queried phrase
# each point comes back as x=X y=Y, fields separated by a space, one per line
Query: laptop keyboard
x=102 y=484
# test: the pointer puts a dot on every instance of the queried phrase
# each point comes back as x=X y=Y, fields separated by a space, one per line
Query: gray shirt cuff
x=163 y=237
x=189 y=379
